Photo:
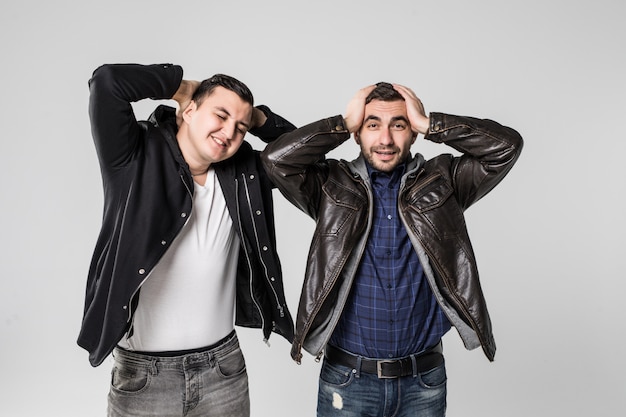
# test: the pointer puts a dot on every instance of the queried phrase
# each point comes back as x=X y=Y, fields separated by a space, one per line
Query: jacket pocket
x=343 y=204
x=432 y=203
x=432 y=193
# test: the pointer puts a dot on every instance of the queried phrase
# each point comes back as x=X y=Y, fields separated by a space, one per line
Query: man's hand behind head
x=183 y=97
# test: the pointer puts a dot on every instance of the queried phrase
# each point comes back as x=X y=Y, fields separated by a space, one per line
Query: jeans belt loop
x=358 y=367
x=414 y=365
x=154 y=370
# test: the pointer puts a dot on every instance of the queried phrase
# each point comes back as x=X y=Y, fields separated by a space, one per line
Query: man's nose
x=385 y=137
x=229 y=130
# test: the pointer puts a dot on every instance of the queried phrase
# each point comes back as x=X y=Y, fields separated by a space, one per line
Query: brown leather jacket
x=433 y=197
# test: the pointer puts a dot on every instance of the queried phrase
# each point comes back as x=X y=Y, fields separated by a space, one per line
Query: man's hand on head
x=355 y=112
x=420 y=123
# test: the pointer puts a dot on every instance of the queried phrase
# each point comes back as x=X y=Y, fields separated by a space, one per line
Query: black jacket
x=147 y=197
x=433 y=196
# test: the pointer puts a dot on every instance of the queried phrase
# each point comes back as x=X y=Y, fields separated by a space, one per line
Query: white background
x=549 y=239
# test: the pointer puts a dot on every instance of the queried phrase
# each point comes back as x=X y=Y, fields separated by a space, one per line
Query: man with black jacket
x=391 y=267
x=187 y=246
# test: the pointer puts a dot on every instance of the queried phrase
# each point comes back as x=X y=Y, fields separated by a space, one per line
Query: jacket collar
x=358 y=166
x=164 y=117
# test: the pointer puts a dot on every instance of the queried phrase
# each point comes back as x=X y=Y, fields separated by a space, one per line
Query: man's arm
x=267 y=125
x=113 y=87
x=489 y=149
x=296 y=161
x=489 y=152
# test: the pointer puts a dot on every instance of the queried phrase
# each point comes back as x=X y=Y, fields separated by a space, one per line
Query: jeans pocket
x=434 y=378
x=337 y=375
x=231 y=364
x=129 y=380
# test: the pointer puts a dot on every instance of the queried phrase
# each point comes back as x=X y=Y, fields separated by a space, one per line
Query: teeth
x=219 y=142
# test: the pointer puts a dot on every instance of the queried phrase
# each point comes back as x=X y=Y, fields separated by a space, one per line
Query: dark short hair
x=383 y=92
x=207 y=86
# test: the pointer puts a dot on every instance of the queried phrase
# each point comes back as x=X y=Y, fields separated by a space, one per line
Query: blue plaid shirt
x=391 y=311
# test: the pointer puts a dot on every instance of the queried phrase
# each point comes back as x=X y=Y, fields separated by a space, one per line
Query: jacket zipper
x=319 y=305
x=256 y=304
x=258 y=245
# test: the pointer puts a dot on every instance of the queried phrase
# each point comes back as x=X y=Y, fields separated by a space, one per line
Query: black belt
x=394 y=368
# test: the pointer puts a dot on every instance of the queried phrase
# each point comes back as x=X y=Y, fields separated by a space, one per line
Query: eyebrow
x=222 y=109
x=371 y=117
x=400 y=118
x=393 y=119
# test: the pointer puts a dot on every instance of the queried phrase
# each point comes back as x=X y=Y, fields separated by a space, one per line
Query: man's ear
x=356 y=138
x=188 y=112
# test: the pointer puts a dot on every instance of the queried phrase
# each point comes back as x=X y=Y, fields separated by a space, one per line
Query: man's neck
x=197 y=169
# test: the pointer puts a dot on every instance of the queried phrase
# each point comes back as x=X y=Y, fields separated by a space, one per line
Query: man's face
x=385 y=136
x=215 y=128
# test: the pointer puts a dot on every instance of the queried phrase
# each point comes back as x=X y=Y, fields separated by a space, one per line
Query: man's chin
x=385 y=166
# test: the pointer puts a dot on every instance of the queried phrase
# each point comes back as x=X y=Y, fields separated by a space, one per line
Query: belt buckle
x=379 y=369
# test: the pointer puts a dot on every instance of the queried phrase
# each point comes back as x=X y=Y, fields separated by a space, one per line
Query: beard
x=384 y=158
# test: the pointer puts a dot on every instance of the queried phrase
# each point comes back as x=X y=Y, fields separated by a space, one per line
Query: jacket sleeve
x=274 y=126
x=112 y=89
x=489 y=152
x=296 y=161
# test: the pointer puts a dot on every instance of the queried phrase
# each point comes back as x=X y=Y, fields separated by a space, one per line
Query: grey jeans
x=212 y=382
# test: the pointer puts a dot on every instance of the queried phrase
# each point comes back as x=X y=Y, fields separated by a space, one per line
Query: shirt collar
x=386 y=178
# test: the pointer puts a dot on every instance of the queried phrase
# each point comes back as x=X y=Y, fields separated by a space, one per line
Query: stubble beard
x=384 y=166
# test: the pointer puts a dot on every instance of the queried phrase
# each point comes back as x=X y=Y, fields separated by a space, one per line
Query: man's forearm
x=184 y=93
x=271 y=125
x=482 y=139
x=293 y=152
x=490 y=151
x=296 y=161
x=112 y=90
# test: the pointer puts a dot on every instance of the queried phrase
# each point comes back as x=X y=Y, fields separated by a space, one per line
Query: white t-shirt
x=188 y=301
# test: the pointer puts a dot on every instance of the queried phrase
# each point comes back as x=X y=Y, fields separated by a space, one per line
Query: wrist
x=352 y=127
x=423 y=126
x=258 y=118
x=185 y=91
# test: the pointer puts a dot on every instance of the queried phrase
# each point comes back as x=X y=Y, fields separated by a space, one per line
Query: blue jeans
x=211 y=383
x=345 y=392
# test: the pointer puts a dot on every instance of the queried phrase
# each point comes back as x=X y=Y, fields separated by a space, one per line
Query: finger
x=406 y=92
x=409 y=95
x=365 y=91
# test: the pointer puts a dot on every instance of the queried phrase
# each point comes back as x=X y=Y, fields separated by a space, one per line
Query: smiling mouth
x=386 y=154
x=219 y=142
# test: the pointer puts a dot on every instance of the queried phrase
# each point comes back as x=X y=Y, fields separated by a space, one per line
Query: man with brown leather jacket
x=391 y=268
